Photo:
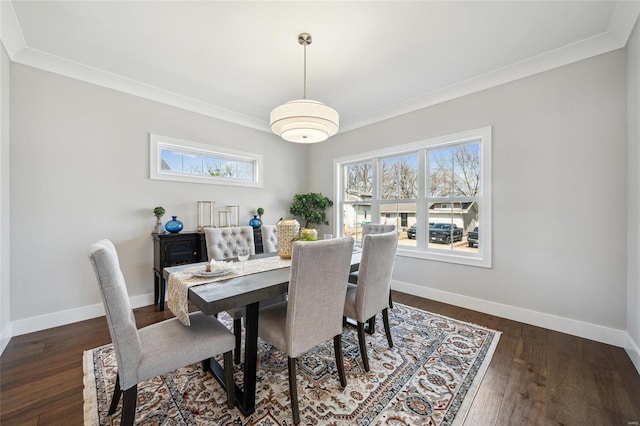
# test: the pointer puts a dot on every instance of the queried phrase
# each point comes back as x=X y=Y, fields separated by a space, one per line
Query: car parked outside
x=445 y=233
x=411 y=232
x=472 y=237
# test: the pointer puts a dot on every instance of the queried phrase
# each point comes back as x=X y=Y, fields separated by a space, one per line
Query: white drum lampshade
x=304 y=121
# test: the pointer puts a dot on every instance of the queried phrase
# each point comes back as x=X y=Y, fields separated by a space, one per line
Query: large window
x=187 y=161
x=437 y=192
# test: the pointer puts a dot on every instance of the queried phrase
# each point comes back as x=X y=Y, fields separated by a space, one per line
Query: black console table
x=179 y=249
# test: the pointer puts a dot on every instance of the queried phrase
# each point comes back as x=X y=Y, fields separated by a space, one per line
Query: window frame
x=483 y=136
x=158 y=142
x=371 y=203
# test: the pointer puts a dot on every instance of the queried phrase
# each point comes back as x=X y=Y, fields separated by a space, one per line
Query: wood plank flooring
x=536 y=376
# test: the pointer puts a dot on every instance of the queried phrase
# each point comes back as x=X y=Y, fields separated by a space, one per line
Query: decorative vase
x=158 y=228
x=174 y=225
x=309 y=234
x=287 y=233
x=255 y=222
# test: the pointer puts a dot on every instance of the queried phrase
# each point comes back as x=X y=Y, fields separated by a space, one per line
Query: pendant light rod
x=304 y=39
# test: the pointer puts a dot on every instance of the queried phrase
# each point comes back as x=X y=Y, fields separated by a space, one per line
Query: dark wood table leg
x=156 y=287
x=163 y=285
x=245 y=398
x=250 y=358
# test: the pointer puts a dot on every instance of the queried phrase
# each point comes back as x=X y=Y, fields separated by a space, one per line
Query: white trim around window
x=197 y=162
x=428 y=204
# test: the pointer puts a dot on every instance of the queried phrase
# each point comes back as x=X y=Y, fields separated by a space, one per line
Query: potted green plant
x=158 y=212
x=310 y=207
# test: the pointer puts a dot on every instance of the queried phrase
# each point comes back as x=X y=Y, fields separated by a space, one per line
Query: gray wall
x=80 y=172
x=559 y=182
x=633 y=250
x=5 y=255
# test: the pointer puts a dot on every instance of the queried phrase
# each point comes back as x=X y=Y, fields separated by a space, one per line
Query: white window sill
x=449 y=257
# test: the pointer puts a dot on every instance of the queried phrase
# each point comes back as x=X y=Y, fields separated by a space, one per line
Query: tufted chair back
x=270 y=238
x=223 y=243
x=376 y=228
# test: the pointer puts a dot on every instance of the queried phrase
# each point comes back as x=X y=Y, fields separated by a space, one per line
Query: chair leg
x=363 y=346
x=293 y=390
x=117 y=392
x=129 y=406
x=228 y=376
x=387 y=330
x=371 y=325
x=390 y=300
x=337 y=348
x=237 y=331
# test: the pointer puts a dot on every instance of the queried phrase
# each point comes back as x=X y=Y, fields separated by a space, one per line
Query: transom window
x=187 y=161
x=437 y=192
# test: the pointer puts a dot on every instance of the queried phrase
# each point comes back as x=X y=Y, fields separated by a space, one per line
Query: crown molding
x=623 y=20
x=10 y=31
x=620 y=27
x=65 y=67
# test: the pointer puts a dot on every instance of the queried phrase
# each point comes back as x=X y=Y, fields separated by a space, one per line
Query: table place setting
x=214 y=271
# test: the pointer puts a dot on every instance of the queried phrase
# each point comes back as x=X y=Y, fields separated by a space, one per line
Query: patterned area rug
x=429 y=377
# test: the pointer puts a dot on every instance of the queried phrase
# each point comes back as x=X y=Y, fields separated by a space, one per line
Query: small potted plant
x=260 y=212
x=158 y=212
x=311 y=207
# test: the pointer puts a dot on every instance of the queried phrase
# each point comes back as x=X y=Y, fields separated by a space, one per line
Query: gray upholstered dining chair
x=369 y=296
x=373 y=228
x=223 y=243
x=311 y=316
x=269 y=238
x=377 y=228
x=158 y=348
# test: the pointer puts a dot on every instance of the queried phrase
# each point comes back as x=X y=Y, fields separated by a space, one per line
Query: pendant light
x=304 y=120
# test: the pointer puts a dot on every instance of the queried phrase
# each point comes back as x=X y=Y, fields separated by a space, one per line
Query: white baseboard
x=5 y=336
x=586 y=330
x=55 y=319
x=634 y=352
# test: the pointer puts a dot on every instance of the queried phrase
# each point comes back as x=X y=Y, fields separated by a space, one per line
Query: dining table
x=242 y=291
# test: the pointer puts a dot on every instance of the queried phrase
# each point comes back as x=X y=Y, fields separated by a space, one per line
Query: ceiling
x=237 y=60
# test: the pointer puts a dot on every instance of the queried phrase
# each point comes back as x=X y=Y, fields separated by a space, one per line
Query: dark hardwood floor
x=536 y=376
